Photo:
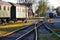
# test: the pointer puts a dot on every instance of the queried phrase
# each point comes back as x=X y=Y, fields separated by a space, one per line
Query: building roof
x=26 y=4
x=4 y=3
x=18 y=5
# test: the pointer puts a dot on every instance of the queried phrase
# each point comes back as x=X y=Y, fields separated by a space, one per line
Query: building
x=26 y=1
x=4 y=9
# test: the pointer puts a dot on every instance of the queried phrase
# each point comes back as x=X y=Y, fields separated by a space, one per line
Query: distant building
x=4 y=9
x=26 y=1
x=51 y=11
x=30 y=11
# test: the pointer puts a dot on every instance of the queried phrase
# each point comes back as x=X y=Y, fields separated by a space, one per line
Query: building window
x=8 y=8
x=0 y=7
x=23 y=10
x=4 y=8
x=18 y=9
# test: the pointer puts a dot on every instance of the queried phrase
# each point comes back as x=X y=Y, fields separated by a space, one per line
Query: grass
x=50 y=36
x=11 y=27
x=8 y=29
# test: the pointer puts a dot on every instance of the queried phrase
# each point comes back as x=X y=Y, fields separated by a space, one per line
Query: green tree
x=42 y=8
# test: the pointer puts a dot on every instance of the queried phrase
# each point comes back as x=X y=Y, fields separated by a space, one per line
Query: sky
x=10 y=1
x=54 y=3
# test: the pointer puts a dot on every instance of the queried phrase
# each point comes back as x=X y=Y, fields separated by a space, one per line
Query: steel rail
x=34 y=29
x=52 y=30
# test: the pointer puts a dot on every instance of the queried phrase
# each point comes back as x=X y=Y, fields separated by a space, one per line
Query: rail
x=34 y=29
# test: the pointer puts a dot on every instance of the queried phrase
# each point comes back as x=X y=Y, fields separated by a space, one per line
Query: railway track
x=18 y=33
x=30 y=33
x=56 y=33
x=45 y=32
x=42 y=30
x=21 y=33
x=34 y=34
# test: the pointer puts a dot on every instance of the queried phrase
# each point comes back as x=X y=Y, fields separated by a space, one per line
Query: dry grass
x=11 y=27
x=15 y=24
